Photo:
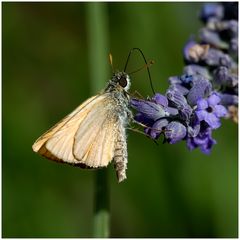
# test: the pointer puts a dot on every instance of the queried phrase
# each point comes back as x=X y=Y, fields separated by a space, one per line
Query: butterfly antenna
x=146 y=65
x=111 y=61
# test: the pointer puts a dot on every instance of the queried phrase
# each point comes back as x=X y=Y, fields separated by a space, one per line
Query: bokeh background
x=52 y=55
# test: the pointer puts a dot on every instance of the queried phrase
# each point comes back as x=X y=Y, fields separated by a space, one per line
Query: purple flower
x=210 y=37
x=215 y=57
x=228 y=99
x=160 y=99
x=203 y=140
x=230 y=28
x=178 y=100
x=149 y=109
x=212 y=10
x=201 y=88
x=206 y=91
x=176 y=97
x=158 y=117
x=193 y=130
x=194 y=69
x=222 y=76
x=174 y=132
x=210 y=111
x=157 y=128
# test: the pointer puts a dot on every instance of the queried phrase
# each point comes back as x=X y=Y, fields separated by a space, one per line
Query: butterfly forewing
x=86 y=136
x=56 y=142
x=47 y=135
x=96 y=145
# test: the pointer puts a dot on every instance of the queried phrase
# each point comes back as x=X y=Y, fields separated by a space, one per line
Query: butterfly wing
x=86 y=136
x=42 y=139
x=95 y=139
x=63 y=132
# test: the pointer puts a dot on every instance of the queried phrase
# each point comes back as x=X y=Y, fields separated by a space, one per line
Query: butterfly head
x=121 y=79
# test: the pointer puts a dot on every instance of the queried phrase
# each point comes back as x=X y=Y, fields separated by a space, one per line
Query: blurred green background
x=48 y=61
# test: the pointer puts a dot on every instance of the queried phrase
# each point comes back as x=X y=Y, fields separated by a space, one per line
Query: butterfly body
x=94 y=134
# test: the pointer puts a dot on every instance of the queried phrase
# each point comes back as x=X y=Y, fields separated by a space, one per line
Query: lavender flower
x=207 y=90
x=212 y=10
x=166 y=118
x=203 y=140
x=175 y=131
x=210 y=111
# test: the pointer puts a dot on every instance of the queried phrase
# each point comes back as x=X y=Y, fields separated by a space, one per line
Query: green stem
x=98 y=52
x=101 y=210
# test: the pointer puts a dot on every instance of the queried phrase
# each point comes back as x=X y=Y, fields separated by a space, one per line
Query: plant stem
x=98 y=52
x=101 y=210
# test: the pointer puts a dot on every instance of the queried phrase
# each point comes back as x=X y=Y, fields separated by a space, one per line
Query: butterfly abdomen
x=120 y=158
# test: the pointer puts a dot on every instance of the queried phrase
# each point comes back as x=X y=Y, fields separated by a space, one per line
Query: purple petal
x=232 y=80
x=194 y=126
x=174 y=132
x=200 y=140
x=212 y=120
x=174 y=80
x=203 y=136
x=160 y=99
x=191 y=144
x=210 y=10
x=204 y=141
x=228 y=99
x=213 y=100
x=185 y=113
x=180 y=88
x=220 y=111
x=215 y=57
x=202 y=104
x=176 y=97
x=139 y=117
x=201 y=115
x=222 y=76
x=206 y=148
x=232 y=26
x=157 y=128
x=172 y=111
x=150 y=109
x=212 y=38
x=193 y=131
x=200 y=89
x=194 y=69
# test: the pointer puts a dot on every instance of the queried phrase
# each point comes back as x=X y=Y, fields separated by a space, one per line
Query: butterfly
x=94 y=134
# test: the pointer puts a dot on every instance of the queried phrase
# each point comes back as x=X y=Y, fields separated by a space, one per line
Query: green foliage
x=47 y=67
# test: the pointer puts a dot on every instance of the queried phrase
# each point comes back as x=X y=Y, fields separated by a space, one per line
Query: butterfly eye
x=123 y=82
